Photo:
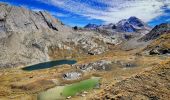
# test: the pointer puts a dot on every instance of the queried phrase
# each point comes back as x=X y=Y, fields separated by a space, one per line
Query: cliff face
x=21 y=20
x=25 y=35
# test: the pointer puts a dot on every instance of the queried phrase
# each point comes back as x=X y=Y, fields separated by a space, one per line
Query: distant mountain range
x=133 y=24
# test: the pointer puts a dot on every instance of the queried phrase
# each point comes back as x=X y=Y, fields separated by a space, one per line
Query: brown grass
x=34 y=79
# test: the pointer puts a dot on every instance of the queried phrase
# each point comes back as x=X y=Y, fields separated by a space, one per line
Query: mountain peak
x=136 y=21
x=132 y=24
x=133 y=18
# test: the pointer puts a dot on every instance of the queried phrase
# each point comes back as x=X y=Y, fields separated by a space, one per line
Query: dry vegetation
x=163 y=42
x=151 y=84
x=16 y=84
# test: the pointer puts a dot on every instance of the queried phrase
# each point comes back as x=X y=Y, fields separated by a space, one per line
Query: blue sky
x=82 y=12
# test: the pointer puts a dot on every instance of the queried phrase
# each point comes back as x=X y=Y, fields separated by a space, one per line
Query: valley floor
x=148 y=78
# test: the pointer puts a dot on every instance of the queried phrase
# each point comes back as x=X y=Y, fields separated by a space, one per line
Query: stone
x=83 y=95
x=85 y=92
x=72 y=75
x=69 y=97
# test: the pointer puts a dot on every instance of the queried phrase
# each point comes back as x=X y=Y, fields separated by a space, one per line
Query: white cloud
x=114 y=10
x=59 y=14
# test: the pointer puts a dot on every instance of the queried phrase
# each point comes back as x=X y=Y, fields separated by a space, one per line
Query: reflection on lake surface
x=49 y=64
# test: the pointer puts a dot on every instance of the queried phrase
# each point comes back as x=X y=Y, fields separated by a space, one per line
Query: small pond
x=61 y=92
x=49 y=64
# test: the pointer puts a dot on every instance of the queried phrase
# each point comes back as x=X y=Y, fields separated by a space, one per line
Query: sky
x=82 y=12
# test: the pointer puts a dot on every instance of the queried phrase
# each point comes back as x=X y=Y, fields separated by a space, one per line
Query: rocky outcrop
x=101 y=65
x=159 y=51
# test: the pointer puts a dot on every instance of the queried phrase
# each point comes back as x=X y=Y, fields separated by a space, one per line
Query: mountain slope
x=159 y=46
x=159 y=39
x=156 y=32
x=152 y=84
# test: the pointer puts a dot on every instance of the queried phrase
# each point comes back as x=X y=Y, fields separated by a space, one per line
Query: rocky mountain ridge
x=132 y=24
x=156 y=32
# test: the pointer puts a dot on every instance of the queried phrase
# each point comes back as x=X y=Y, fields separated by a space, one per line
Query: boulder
x=72 y=75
